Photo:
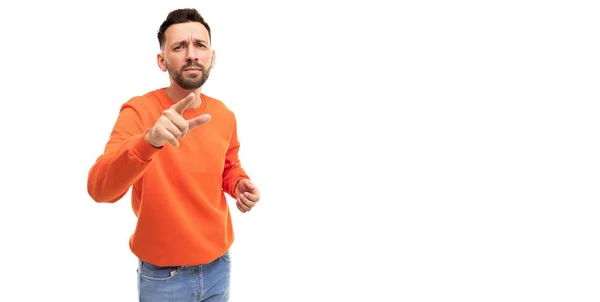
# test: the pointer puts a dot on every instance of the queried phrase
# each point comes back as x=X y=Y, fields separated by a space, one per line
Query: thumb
x=198 y=121
x=249 y=185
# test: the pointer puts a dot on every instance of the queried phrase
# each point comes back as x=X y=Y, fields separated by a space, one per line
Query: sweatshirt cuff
x=142 y=148
x=234 y=183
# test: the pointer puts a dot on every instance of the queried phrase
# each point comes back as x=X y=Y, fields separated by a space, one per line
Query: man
x=178 y=148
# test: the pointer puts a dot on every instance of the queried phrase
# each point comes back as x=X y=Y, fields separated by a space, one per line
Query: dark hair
x=177 y=16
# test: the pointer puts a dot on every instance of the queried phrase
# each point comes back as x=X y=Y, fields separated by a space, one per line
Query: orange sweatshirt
x=178 y=192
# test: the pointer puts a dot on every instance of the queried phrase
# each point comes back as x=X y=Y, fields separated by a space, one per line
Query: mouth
x=192 y=69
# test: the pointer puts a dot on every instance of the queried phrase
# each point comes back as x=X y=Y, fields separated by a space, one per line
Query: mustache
x=194 y=64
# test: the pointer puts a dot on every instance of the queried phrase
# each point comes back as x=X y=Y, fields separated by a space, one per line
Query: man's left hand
x=247 y=195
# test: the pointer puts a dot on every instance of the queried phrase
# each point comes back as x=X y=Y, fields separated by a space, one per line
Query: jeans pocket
x=153 y=272
x=226 y=256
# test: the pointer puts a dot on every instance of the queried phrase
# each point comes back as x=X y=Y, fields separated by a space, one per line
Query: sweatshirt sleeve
x=233 y=171
x=126 y=156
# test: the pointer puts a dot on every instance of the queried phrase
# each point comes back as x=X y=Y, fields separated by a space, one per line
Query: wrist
x=147 y=137
x=235 y=187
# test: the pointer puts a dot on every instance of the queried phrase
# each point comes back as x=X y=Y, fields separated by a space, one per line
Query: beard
x=191 y=82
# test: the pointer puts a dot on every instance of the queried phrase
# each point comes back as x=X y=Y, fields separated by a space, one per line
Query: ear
x=160 y=60
x=213 y=59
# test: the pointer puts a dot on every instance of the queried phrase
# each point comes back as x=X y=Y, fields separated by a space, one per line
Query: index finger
x=180 y=106
x=254 y=197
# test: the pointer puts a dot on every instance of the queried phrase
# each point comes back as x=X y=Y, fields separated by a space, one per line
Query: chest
x=203 y=150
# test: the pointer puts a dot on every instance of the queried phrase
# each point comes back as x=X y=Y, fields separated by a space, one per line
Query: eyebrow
x=185 y=42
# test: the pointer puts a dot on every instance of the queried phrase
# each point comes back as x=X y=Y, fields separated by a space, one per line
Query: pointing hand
x=171 y=125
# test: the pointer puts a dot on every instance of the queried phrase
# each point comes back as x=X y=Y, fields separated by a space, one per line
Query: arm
x=126 y=156
x=233 y=171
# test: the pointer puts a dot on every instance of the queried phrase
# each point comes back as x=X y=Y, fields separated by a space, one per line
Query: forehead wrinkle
x=190 y=38
x=185 y=32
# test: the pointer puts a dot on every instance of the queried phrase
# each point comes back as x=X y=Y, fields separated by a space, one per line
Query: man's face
x=187 y=55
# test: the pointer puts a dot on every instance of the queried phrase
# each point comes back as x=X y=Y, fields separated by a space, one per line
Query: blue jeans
x=207 y=282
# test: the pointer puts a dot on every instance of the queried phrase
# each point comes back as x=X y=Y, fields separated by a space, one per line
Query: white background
x=427 y=151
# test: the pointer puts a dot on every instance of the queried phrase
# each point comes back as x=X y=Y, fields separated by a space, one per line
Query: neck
x=177 y=93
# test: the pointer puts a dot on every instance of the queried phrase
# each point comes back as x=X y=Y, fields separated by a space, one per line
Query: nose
x=191 y=54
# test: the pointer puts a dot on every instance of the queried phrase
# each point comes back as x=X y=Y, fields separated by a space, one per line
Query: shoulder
x=143 y=101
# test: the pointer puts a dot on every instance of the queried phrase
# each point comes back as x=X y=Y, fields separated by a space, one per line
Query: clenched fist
x=247 y=195
x=171 y=125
